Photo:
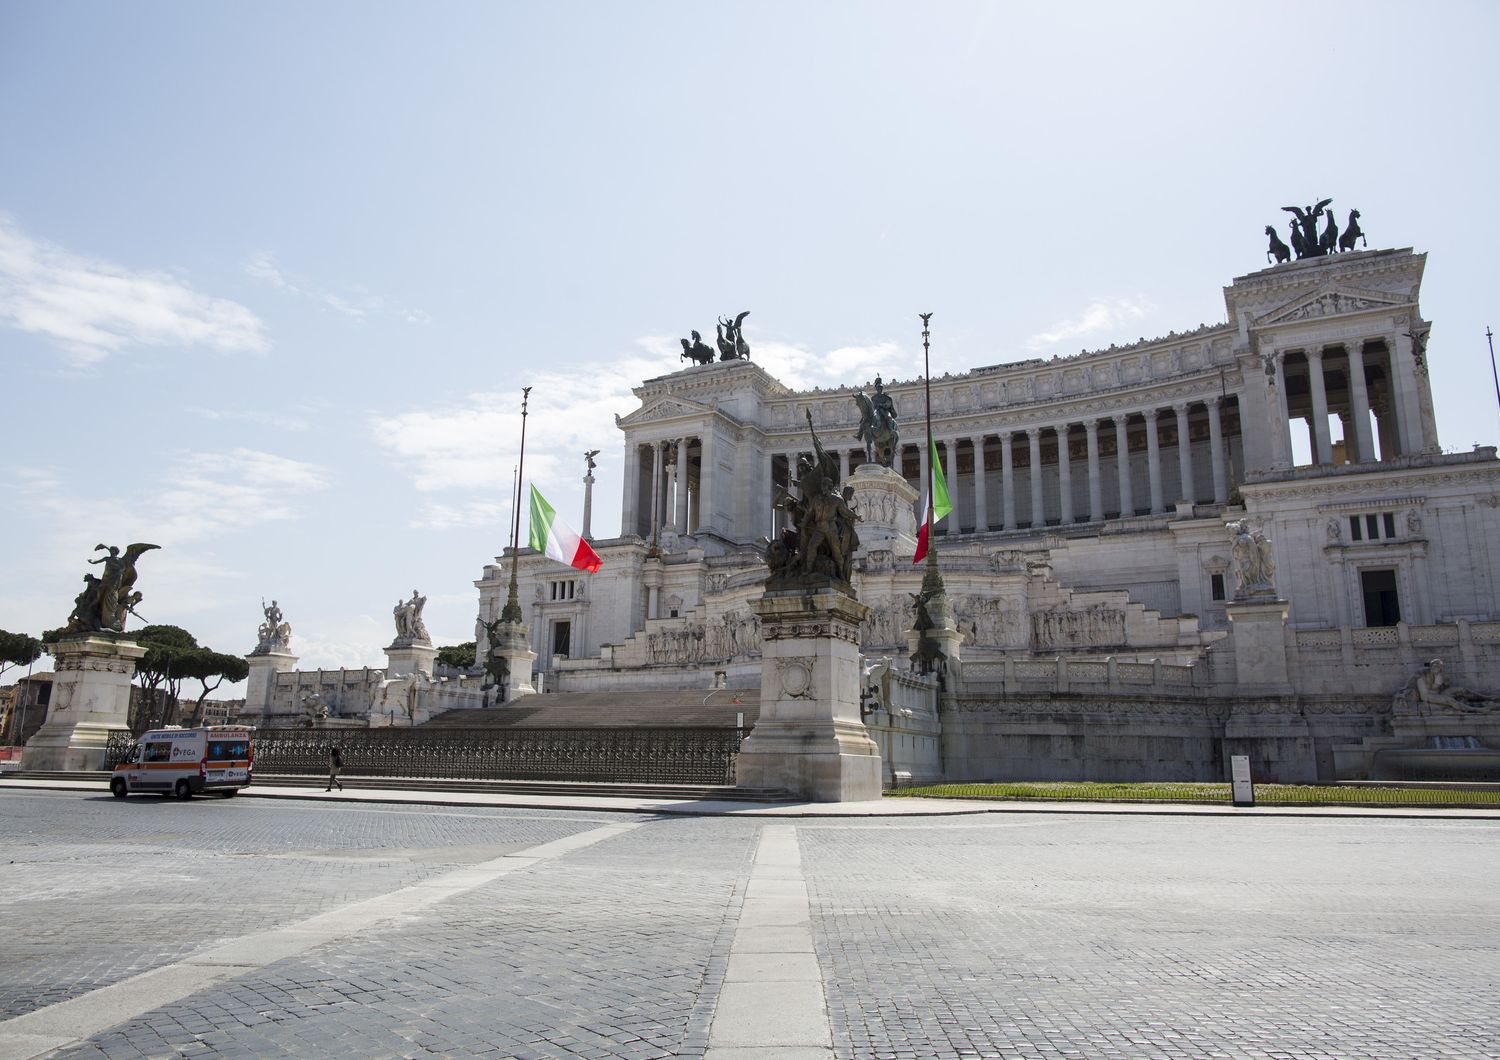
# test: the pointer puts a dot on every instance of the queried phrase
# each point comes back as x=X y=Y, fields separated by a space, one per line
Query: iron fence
x=118 y=746
x=615 y=755
x=1392 y=793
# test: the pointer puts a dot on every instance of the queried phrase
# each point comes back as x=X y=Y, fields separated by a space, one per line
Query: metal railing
x=1362 y=793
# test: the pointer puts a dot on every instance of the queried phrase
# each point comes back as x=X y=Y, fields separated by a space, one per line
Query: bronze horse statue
x=1279 y=250
x=698 y=351
x=1352 y=232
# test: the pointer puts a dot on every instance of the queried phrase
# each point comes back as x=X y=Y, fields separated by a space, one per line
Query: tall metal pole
x=927 y=388
x=512 y=611
x=1490 y=336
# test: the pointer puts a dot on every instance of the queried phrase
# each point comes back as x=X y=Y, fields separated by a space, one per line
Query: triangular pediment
x=1330 y=302
x=666 y=408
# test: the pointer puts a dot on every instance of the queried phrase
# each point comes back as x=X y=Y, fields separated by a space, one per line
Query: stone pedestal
x=90 y=696
x=810 y=739
x=260 y=686
x=946 y=634
x=513 y=644
x=1259 y=631
x=886 y=504
x=409 y=657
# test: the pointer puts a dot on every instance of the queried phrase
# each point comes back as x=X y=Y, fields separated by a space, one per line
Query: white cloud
x=1101 y=315
x=269 y=419
x=357 y=306
x=91 y=309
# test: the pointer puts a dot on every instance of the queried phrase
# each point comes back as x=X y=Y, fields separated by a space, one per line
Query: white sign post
x=1243 y=792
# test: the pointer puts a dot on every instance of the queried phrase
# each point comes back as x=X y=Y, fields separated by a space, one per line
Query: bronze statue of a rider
x=878 y=428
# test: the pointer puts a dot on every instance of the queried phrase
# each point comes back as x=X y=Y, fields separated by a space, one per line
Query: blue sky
x=273 y=274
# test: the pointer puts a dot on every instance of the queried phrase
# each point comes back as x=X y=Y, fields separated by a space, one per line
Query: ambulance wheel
x=117 y=788
x=183 y=790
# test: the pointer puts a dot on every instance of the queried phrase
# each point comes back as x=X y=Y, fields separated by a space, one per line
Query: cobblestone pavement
x=1002 y=936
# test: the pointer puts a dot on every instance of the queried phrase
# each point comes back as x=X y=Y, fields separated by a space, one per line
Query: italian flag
x=941 y=505
x=557 y=539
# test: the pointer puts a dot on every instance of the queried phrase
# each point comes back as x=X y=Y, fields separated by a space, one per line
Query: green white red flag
x=558 y=540
x=941 y=505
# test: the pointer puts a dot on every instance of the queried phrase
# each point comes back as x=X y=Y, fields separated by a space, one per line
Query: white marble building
x=1091 y=496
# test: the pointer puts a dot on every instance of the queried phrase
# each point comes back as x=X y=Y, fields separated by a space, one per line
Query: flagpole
x=512 y=611
x=931 y=456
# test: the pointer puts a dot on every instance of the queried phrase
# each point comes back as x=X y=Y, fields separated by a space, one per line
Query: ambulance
x=187 y=762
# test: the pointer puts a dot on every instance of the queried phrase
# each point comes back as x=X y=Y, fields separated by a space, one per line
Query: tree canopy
x=458 y=656
x=19 y=649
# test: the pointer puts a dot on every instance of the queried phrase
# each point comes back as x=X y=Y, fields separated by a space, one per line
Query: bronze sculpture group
x=731 y=342
x=107 y=598
x=818 y=549
x=1307 y=241
x=877 y=426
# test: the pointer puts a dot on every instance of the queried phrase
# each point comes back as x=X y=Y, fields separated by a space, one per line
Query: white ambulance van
x=187 y=762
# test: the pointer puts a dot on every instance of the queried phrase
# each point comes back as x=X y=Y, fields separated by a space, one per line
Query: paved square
x=404 y=931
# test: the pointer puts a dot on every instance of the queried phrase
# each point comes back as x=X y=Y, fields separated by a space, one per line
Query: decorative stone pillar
x=1122 y=465
x=654 y=524
x=1096 y=486
x=652 y=576
x=809 y=739
x=1216 y=451
x=981 y=502
x=770 y=496
x=1064 y=476
x=886 y=504
x=1258 y=628
x=409 y=657
x=1007 y=480
x=843 y=464
x=1322 y=445
x=707 y=480
x=1034 y=454
x=1184 y=454
x=513 y=644
x=90 y=696
x=1153 y=462
x=588 y=505
x=1359 y=405
x=682 y=485
x=260 y=686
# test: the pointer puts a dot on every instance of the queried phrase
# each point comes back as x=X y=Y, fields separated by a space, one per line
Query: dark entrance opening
x=562 y=633
x=1381 y=606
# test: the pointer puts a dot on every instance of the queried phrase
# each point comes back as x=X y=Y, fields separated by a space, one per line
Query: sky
x=272 y=275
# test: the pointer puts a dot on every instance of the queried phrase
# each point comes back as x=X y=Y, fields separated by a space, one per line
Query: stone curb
x=887 y=809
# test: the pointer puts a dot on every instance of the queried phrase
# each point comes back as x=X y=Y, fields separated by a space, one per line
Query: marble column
x=656 y=488
x=1216 y=450
x=843 y=464
x=682 y=485
x=1406 y=384
x=1153 y=462
x=771 y=493
x=706 y=483
x=981 y=502
x=1359 y=403
x=1038 y=507
x=1122 y=466
x=1283 y=433
x=1184 y=454
x=1007 y=480
x=630 y=516
x=1064 y=476
x=1322 y=445
x=1096 y=486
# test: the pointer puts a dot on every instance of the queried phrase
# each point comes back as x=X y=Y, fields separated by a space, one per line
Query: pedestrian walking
x=335 y=763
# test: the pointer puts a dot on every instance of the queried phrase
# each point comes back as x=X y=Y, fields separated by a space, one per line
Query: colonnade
x=1118 y=458
x=671 y=488
x=1353 y=380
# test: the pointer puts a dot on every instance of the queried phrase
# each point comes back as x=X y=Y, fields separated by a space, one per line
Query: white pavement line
x=84 y=1016
x=771 y=1006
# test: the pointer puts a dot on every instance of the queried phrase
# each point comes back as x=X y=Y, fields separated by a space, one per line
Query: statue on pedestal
x=877 y=425
x=496 y=668
x=109 y=597
x=819 y=549
x=1254 y=567
x=275 y=635
x=408 y=615
x=731 y=339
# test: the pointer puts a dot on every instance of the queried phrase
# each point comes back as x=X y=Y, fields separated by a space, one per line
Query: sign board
x=1243 y=792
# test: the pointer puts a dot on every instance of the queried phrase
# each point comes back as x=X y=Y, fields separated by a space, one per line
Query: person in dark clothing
x=335 y=763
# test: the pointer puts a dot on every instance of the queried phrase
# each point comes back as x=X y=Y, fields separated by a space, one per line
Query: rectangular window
x=1216 y=586
x=1354 y=528
x=1382 y=608
x=1372 y=528
x=1390 y=524
x=158 y=752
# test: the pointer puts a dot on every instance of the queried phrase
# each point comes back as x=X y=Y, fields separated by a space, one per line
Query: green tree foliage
x=458 y=656
x=18 y=649
x=206 y=665
x=161 y=672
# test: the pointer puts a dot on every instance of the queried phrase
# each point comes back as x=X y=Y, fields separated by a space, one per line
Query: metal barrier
x=1345 y=794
